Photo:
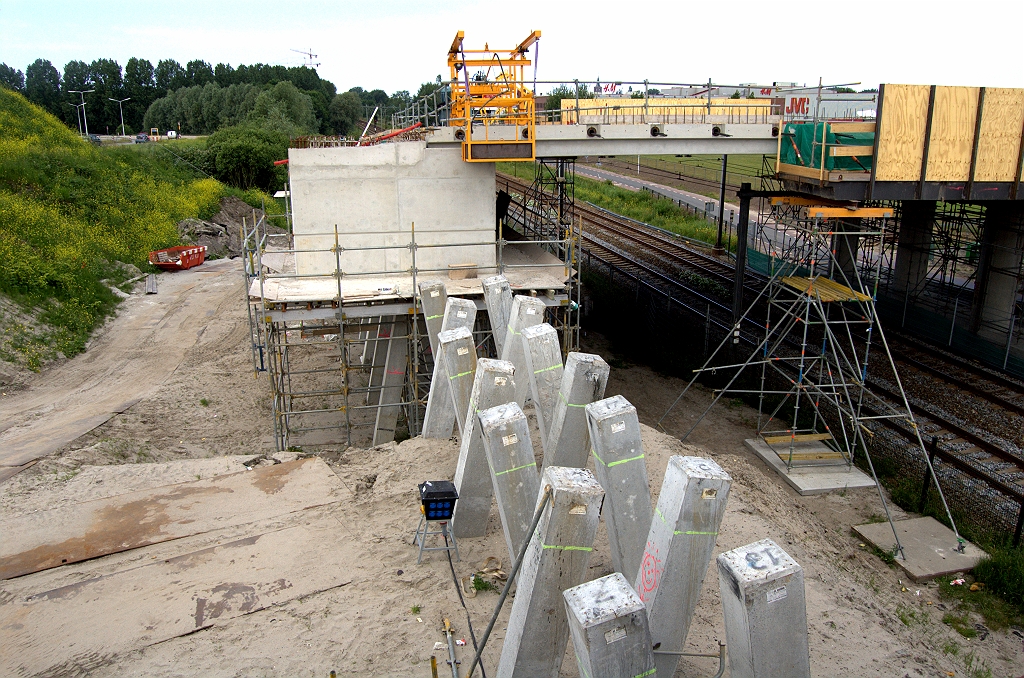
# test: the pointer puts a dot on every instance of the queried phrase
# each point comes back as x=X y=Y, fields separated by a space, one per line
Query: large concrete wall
x=375 y=193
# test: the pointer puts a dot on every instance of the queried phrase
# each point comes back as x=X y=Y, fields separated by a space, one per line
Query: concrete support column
x=498 y=300
x=765 y=613
x=493 y=385
x=608 y=625
x=526 y=312
x=997 y=281
x=555 y=560
x=679 y=547
x=544 y=369
x=845 y=246
x=433 y=298
x=509 y=451
x=583 y=381
x=619 y=460
x=451 y=383
x=392 y=381
x=917 y=218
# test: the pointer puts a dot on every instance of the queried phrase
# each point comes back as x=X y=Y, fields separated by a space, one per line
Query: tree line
x=196 y=98
x=250 y=113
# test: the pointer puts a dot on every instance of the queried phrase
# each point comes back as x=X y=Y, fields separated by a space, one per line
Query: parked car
x=171 y=134
x=94 y=140
x=141 y=138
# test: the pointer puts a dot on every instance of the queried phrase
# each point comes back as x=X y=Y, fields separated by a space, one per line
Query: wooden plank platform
x=527 y=267
x=824 y=288
x=39 y=541
x=798 y=438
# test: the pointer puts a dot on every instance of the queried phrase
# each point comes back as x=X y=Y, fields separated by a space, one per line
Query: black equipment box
x=438 y=499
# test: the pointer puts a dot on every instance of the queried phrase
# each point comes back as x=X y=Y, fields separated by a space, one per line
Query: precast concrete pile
x=633 y=622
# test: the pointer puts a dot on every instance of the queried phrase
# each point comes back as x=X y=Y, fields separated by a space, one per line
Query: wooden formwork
x=928 y=134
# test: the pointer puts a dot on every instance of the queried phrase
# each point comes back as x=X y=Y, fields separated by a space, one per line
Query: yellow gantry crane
x=491 y=106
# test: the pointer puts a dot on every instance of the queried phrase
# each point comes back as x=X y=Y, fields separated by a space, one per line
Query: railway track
x=655 y=173
x=996 y=389
x=975 y=416
x=655 y=246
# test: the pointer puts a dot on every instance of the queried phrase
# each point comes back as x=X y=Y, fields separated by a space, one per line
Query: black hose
x=508 y=583
x=458 y=589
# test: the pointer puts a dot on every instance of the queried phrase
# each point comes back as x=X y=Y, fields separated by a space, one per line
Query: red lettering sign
x=798 y=105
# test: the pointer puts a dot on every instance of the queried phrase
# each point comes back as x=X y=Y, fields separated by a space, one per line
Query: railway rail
x=657 y=247
x=651 y=172
x=980 y=444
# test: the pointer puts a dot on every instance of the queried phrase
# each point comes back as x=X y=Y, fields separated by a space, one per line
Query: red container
x=178 y=258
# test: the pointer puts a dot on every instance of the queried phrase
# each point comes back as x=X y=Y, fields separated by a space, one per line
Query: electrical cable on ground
x=458 y=589
x=511 y=578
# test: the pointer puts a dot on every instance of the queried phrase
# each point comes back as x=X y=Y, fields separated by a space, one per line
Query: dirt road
x=133 y=356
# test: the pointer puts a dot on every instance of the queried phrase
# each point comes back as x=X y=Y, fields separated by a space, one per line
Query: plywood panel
x=952 y=139
x=901 y=133
x=1001 y=124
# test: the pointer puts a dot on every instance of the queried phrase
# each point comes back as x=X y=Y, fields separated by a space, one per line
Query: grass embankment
x=638 y=205
x=69 y=212
x=747 y=166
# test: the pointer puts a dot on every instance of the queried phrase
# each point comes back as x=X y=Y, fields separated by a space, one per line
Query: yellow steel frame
x=496 y=111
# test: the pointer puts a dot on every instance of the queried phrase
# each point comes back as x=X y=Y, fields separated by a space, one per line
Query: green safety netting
x=799 y=147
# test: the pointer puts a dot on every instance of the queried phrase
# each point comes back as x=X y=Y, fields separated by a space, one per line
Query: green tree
x=639 y=94
x=12 y=78
x=169 y=75
x=224 y=74
x=76 y=77
x=140 y=86
x=42 y=86
x=554 y=101
x=345 y=110
x=285 y=108
x=105 y=78
x=244 y=156
x=198 y=73
x=428 y=88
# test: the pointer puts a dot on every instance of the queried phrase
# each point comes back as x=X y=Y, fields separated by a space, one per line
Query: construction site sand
x=855 y=602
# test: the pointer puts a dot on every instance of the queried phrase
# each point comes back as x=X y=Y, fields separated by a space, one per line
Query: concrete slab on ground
x=57 y=628
x=810 y=479
x=929 y=547
x=70 y=534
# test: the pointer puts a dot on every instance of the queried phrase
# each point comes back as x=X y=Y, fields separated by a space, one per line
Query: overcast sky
x=398 y=45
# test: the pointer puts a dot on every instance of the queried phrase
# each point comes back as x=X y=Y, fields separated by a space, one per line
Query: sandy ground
x=369 y=627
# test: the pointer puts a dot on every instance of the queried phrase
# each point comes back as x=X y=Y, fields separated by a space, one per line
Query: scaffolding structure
x=547 y=216
x=350 y=369
x=821 y=332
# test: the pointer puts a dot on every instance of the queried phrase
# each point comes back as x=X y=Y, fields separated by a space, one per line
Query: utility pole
x=721 y=205
x=82 y=94
x=119 y=108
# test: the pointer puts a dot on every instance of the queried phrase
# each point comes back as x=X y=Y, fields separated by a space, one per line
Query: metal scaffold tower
x=334 y=367
x=546 y=215
x=810 y=370
x=337 y=365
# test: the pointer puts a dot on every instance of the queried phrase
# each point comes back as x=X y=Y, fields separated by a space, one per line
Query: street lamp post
x=82 y=94
x=78 y=118
x=119 y=102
